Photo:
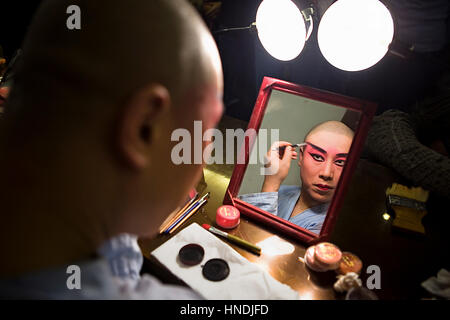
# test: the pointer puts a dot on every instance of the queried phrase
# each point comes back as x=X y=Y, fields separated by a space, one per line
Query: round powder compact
x=349 y=263
x=216 y=270
x=191 y=254
x=311 y=262
x=328 y=254
x=227 y=217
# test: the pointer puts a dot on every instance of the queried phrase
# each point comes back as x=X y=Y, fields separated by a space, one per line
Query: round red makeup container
x=227 y=217
x=328 y=254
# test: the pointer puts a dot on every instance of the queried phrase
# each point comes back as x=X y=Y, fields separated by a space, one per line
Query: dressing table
x=362 y=228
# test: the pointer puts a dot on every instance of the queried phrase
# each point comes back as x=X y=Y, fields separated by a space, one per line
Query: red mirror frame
x=367 y=111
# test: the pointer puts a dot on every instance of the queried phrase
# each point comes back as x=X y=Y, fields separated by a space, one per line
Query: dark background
x=394 y=82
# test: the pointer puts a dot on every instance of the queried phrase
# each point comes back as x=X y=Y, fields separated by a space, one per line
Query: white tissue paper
x=246 y=281
x=440 y=285
x=347 y=281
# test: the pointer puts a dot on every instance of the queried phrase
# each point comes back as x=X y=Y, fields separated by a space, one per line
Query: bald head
x=121 y=46
x=323 y=159
x=90 y=121
x=335 y=127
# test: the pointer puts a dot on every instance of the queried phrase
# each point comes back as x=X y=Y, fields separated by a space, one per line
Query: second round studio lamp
x=354 y=35
x=281 y=28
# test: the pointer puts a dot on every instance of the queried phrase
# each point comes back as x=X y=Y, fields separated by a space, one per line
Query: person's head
x=321 y=161
x=96 y=106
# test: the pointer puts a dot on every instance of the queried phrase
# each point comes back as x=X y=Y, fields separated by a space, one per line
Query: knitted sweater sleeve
x=392 y=140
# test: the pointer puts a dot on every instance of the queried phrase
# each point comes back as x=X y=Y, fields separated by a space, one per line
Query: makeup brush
x=283 y=148
x=188 y=213
x=194 y=210
x=176 y=214
x=245 y=244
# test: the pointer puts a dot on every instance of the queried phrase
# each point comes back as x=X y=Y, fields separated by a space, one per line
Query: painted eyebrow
x=316 y=147
x=339 y=155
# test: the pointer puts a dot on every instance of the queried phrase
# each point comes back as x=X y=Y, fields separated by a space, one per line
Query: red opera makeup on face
x=322 y=161
x=322 y=155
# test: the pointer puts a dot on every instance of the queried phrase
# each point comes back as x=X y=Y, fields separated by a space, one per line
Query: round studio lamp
x=281 y=28
x=354 y=35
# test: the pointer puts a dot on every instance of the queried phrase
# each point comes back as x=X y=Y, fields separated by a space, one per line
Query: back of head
x=103 y=101
x=85 y=144
x=73 y=74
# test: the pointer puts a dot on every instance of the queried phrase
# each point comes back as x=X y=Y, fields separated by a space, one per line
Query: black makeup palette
x=214 y=269
x=191 y=254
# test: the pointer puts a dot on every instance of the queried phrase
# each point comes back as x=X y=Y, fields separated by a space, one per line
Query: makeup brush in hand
x=283 y=148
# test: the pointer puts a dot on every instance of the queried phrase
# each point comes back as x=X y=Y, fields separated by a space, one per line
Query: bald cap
x=331 y=126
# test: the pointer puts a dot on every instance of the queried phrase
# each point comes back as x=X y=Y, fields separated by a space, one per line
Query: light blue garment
x=123 y=255
x=282 y=203
x=114 y=275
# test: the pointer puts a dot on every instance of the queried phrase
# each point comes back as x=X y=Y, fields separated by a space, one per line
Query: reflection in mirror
x=314 y=140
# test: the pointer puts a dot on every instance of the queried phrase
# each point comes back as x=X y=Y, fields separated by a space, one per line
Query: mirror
x=301 y=148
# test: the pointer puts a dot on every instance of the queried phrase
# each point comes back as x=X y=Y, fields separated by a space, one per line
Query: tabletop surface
x=287 y=268
x=404 y=260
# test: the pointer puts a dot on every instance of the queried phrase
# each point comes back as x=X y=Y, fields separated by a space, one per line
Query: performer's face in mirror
x=321 y=163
